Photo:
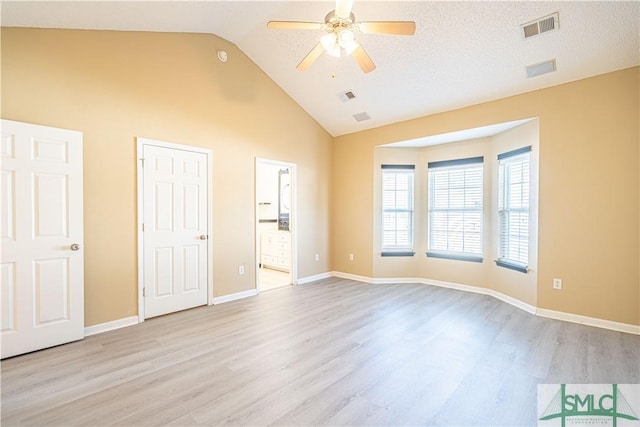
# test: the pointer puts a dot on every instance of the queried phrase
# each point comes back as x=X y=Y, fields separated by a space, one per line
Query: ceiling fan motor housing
x=332 y=20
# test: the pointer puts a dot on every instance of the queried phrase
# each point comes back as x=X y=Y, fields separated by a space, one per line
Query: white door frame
x=293 y=217
x=141 y=143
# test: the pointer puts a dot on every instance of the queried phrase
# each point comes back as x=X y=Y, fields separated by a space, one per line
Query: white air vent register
x=540 y=26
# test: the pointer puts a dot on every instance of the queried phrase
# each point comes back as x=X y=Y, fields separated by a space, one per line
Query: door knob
x=203 y=237
x=75 y=247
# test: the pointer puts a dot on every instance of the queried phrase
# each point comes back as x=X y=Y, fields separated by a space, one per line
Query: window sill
x=398 y=253
x=457 y=257
x=512 y=266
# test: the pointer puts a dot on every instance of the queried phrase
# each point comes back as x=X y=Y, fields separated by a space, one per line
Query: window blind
x=513 y=207
x=514 y=153
x=455 y=208
x=397 y=208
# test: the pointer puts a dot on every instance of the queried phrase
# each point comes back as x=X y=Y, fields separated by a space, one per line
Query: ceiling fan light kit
x=341 y=28
x=334 y=43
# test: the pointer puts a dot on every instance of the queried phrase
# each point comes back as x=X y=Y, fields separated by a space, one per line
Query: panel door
x=41 y=267
x=175 y=229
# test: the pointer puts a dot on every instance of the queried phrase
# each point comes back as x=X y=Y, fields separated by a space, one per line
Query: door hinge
x=142 y=160
x=143 y=226
x=144 y=292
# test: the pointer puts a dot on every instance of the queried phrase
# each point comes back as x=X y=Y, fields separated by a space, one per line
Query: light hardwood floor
x=334 y=352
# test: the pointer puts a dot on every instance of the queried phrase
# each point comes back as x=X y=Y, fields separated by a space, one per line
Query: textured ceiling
x=463 y=53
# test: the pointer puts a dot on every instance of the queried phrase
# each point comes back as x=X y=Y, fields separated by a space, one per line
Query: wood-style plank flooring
x=334 y=352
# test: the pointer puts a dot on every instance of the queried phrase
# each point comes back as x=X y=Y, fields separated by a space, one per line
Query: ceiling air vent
x=541 y=68
x=346 y=96
x=539 y=26
x=360 y=117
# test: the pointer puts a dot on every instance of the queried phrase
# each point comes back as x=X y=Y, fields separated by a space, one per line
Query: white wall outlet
x=317 y=257
x=241 y=270
x=557 y=283
x=350 y=257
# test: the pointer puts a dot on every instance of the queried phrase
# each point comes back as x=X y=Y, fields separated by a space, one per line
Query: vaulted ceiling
x=463 y=53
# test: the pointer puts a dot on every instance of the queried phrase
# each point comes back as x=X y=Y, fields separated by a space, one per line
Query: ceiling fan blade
x=311 y=57
x=406 y=28
x=363 y=60
x=294 y=25
x=343 y=8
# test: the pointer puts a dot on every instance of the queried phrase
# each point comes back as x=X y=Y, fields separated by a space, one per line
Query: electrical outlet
x=317 y=257
x=557 y=283
x=241 y=270
x=350 y=257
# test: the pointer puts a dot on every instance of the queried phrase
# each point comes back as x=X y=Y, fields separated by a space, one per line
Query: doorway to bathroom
x=275 y=224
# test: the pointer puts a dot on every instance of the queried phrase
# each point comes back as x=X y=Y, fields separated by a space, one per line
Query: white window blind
x=397 y=207
x=513 y=206
x=455 y=209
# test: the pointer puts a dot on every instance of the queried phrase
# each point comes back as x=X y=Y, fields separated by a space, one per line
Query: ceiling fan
x=341 y=28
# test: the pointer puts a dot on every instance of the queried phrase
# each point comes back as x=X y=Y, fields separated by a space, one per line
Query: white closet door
x=175 y=229
x=42 y=266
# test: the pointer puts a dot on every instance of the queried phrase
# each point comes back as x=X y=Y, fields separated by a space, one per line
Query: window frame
x=452 y=165
x=398 y=250
x=506 y=161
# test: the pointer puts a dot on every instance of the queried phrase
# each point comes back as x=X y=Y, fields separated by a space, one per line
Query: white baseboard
x=397 y=281
x=110 y=326
x=531 y=309
x=349 y=276
x=313 y=278
x=484 y=291
x=466 y=288
x=233 y=297
x=589 y=321
x=558 y=315
x=133 y=320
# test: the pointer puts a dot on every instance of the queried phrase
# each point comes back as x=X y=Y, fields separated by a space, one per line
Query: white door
x=42 y=268
x=175 y=224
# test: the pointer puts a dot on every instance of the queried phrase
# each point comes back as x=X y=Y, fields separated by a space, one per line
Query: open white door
x=175 y=224
x=42 y=267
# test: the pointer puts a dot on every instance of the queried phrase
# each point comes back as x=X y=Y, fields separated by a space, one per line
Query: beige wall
x=588 y=172
x=351 y=207
x=115 y=86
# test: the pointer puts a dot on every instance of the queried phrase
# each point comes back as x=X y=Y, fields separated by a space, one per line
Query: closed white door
x=42 y=268
x=175 y=229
